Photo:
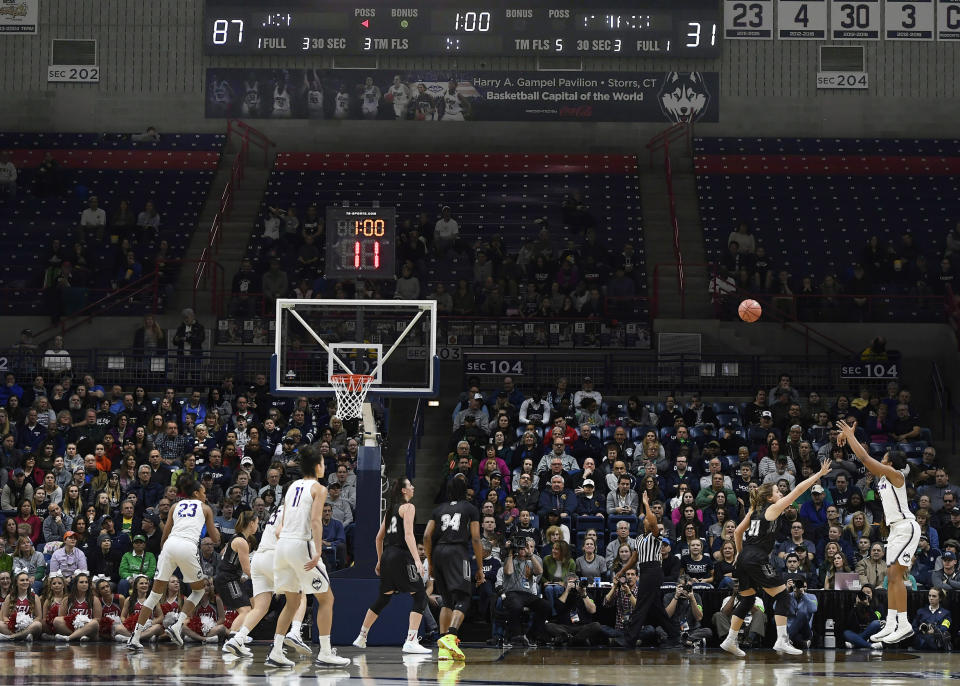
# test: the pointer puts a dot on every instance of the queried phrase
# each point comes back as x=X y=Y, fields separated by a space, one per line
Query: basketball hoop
x=351 y=390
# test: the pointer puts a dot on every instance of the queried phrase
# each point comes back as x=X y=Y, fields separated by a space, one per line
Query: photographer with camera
x=685 y=608
x=803 y=606
x=520 y=571
x=623 y=595
x=863 y=621
x=574 y=622
x=932 y=624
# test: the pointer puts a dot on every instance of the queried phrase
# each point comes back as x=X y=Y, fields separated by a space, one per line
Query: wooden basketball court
x=50 y=664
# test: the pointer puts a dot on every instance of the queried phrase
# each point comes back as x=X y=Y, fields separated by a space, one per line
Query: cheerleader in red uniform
x=79 y=618
x=20 y=612
x=54 y=594
x=205 y=625
x=171 y=602
x=139 y=590
x=110 y=626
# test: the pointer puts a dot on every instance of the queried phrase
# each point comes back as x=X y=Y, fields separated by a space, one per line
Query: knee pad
x=381 y=602
x=195 y=597
x=781 y=603
x=152 y=600
x=420 y=601
x=743 y=605
x=461 y=602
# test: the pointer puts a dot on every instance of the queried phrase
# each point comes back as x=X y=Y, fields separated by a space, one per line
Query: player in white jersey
x=221 y=95
x=314 y=92
x=904 y=531
x=261 y=576
x=298 y=567
x=251 y=97
x=341 y=104
x=454 y=104
x=281 y=99
x=180 y=548
x=370 y=99
x=399 y=95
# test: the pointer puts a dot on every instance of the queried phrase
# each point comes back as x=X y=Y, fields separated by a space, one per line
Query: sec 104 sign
x=495 y=366
x=870 y=370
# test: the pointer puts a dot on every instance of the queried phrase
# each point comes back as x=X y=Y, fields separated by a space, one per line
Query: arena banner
x=466 y=96
x=18 y=16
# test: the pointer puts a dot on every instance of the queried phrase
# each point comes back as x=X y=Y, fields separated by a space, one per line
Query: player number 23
x=182 y=511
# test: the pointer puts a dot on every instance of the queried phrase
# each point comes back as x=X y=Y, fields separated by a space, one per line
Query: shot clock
x=361 y=242
x=647 y=28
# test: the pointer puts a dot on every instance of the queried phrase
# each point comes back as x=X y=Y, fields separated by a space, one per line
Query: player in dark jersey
x=452 y=526
x=235 y=566
x=398 y=565
x=753 y=568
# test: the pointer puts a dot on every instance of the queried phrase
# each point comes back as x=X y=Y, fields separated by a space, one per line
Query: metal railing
x=663 y=140
x=248 y=135
x=148 y=291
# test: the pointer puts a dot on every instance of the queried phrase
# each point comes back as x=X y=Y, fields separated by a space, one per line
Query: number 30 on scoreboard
x=802 y=19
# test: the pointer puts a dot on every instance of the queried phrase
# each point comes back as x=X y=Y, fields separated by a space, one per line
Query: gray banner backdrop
x=479 y=96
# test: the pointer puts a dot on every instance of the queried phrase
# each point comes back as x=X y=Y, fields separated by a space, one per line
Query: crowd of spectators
x=564 y=468
x=583 y=278
x=899 y=268
x=89 y=470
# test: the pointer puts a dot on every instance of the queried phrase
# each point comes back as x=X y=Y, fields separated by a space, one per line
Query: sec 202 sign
x=72 y=73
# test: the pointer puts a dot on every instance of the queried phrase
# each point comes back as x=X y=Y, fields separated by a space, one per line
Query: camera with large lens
x=924 y=628
x=518 y=542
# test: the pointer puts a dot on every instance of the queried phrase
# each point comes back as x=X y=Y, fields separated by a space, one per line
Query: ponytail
x=761 y=496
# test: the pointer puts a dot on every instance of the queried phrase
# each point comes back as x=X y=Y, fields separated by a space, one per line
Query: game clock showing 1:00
x=648 y=28
x=361 y=242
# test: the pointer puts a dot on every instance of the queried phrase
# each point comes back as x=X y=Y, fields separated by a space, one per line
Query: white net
x=351 y=390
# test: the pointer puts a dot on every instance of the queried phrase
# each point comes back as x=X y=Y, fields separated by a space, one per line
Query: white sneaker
x=331 y=659
x=360 y=641
x=232 y=647
x=291 y=640
x=134 y=644
x=415 y=648
x=902 y=632
x=61 y=637
x=876 y=646
x=887 y=629
x=174 y=632
x=783 y=645
x=848 y=645
x=276 y=658
x=732 y=647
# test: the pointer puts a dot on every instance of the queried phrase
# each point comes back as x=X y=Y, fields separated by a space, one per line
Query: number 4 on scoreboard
x=802 y=19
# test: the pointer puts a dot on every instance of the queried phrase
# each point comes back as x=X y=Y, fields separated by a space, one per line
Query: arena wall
x=152 y=72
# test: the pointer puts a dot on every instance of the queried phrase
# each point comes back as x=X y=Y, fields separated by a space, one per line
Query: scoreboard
x=647 y=28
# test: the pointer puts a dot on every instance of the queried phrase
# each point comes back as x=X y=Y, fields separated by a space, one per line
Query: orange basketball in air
x=750 y=310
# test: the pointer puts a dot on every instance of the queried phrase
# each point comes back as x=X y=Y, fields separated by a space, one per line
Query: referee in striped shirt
x=649 y=609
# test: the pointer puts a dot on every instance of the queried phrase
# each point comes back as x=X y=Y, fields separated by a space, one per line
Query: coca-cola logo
x=578 y=112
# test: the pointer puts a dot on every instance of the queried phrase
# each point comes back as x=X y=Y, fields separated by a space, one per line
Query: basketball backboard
x=395 y=341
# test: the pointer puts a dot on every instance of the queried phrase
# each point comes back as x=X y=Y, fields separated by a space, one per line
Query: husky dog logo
x=684 y=96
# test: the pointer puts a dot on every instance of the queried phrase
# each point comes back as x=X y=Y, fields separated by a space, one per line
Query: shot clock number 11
x=361 y=242
x=367 y=228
